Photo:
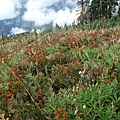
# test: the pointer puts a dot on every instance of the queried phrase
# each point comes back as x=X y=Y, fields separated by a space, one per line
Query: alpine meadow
x=64 y=73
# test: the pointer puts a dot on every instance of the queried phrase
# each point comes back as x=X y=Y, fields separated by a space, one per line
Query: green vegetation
x=70 y=73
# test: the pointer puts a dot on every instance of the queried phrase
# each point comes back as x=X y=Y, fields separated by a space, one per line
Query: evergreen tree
x=97 y=9
x=83 y=6
x=94 y=10
x=111 y=6
x=57 y=27
x=4 y=36
x=119 y=11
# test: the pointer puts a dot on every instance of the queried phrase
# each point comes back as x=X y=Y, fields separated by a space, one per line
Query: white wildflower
x=76 y=111
x=84 y=106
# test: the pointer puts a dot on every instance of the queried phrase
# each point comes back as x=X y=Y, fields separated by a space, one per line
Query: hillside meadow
x=63 y=74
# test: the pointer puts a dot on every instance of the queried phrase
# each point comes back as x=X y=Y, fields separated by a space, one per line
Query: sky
x=38 y=12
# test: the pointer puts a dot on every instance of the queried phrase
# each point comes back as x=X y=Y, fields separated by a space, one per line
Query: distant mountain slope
x=7 y=25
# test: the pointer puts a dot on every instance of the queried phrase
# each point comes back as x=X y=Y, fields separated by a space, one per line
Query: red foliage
x=39 y=96
x=11 y=85
x=66 y=69
x=61 y=114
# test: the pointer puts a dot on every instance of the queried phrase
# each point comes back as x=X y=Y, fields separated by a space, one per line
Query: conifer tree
x=119 y=11
x=83 y=6
x=97 y=9
x=4 y=36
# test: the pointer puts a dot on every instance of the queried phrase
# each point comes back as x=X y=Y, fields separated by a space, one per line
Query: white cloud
x=38 y=12
x=16 y=30
x=64 y=16
x=71 y=2
x=8 y=9
x=40 y=17
x=39 y=4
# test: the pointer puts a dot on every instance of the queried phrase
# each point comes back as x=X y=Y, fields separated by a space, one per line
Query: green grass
x=62 y=75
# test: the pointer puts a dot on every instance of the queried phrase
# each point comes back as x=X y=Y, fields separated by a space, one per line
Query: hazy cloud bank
x=9 y=9
x=38 y=12
x=16 y=30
